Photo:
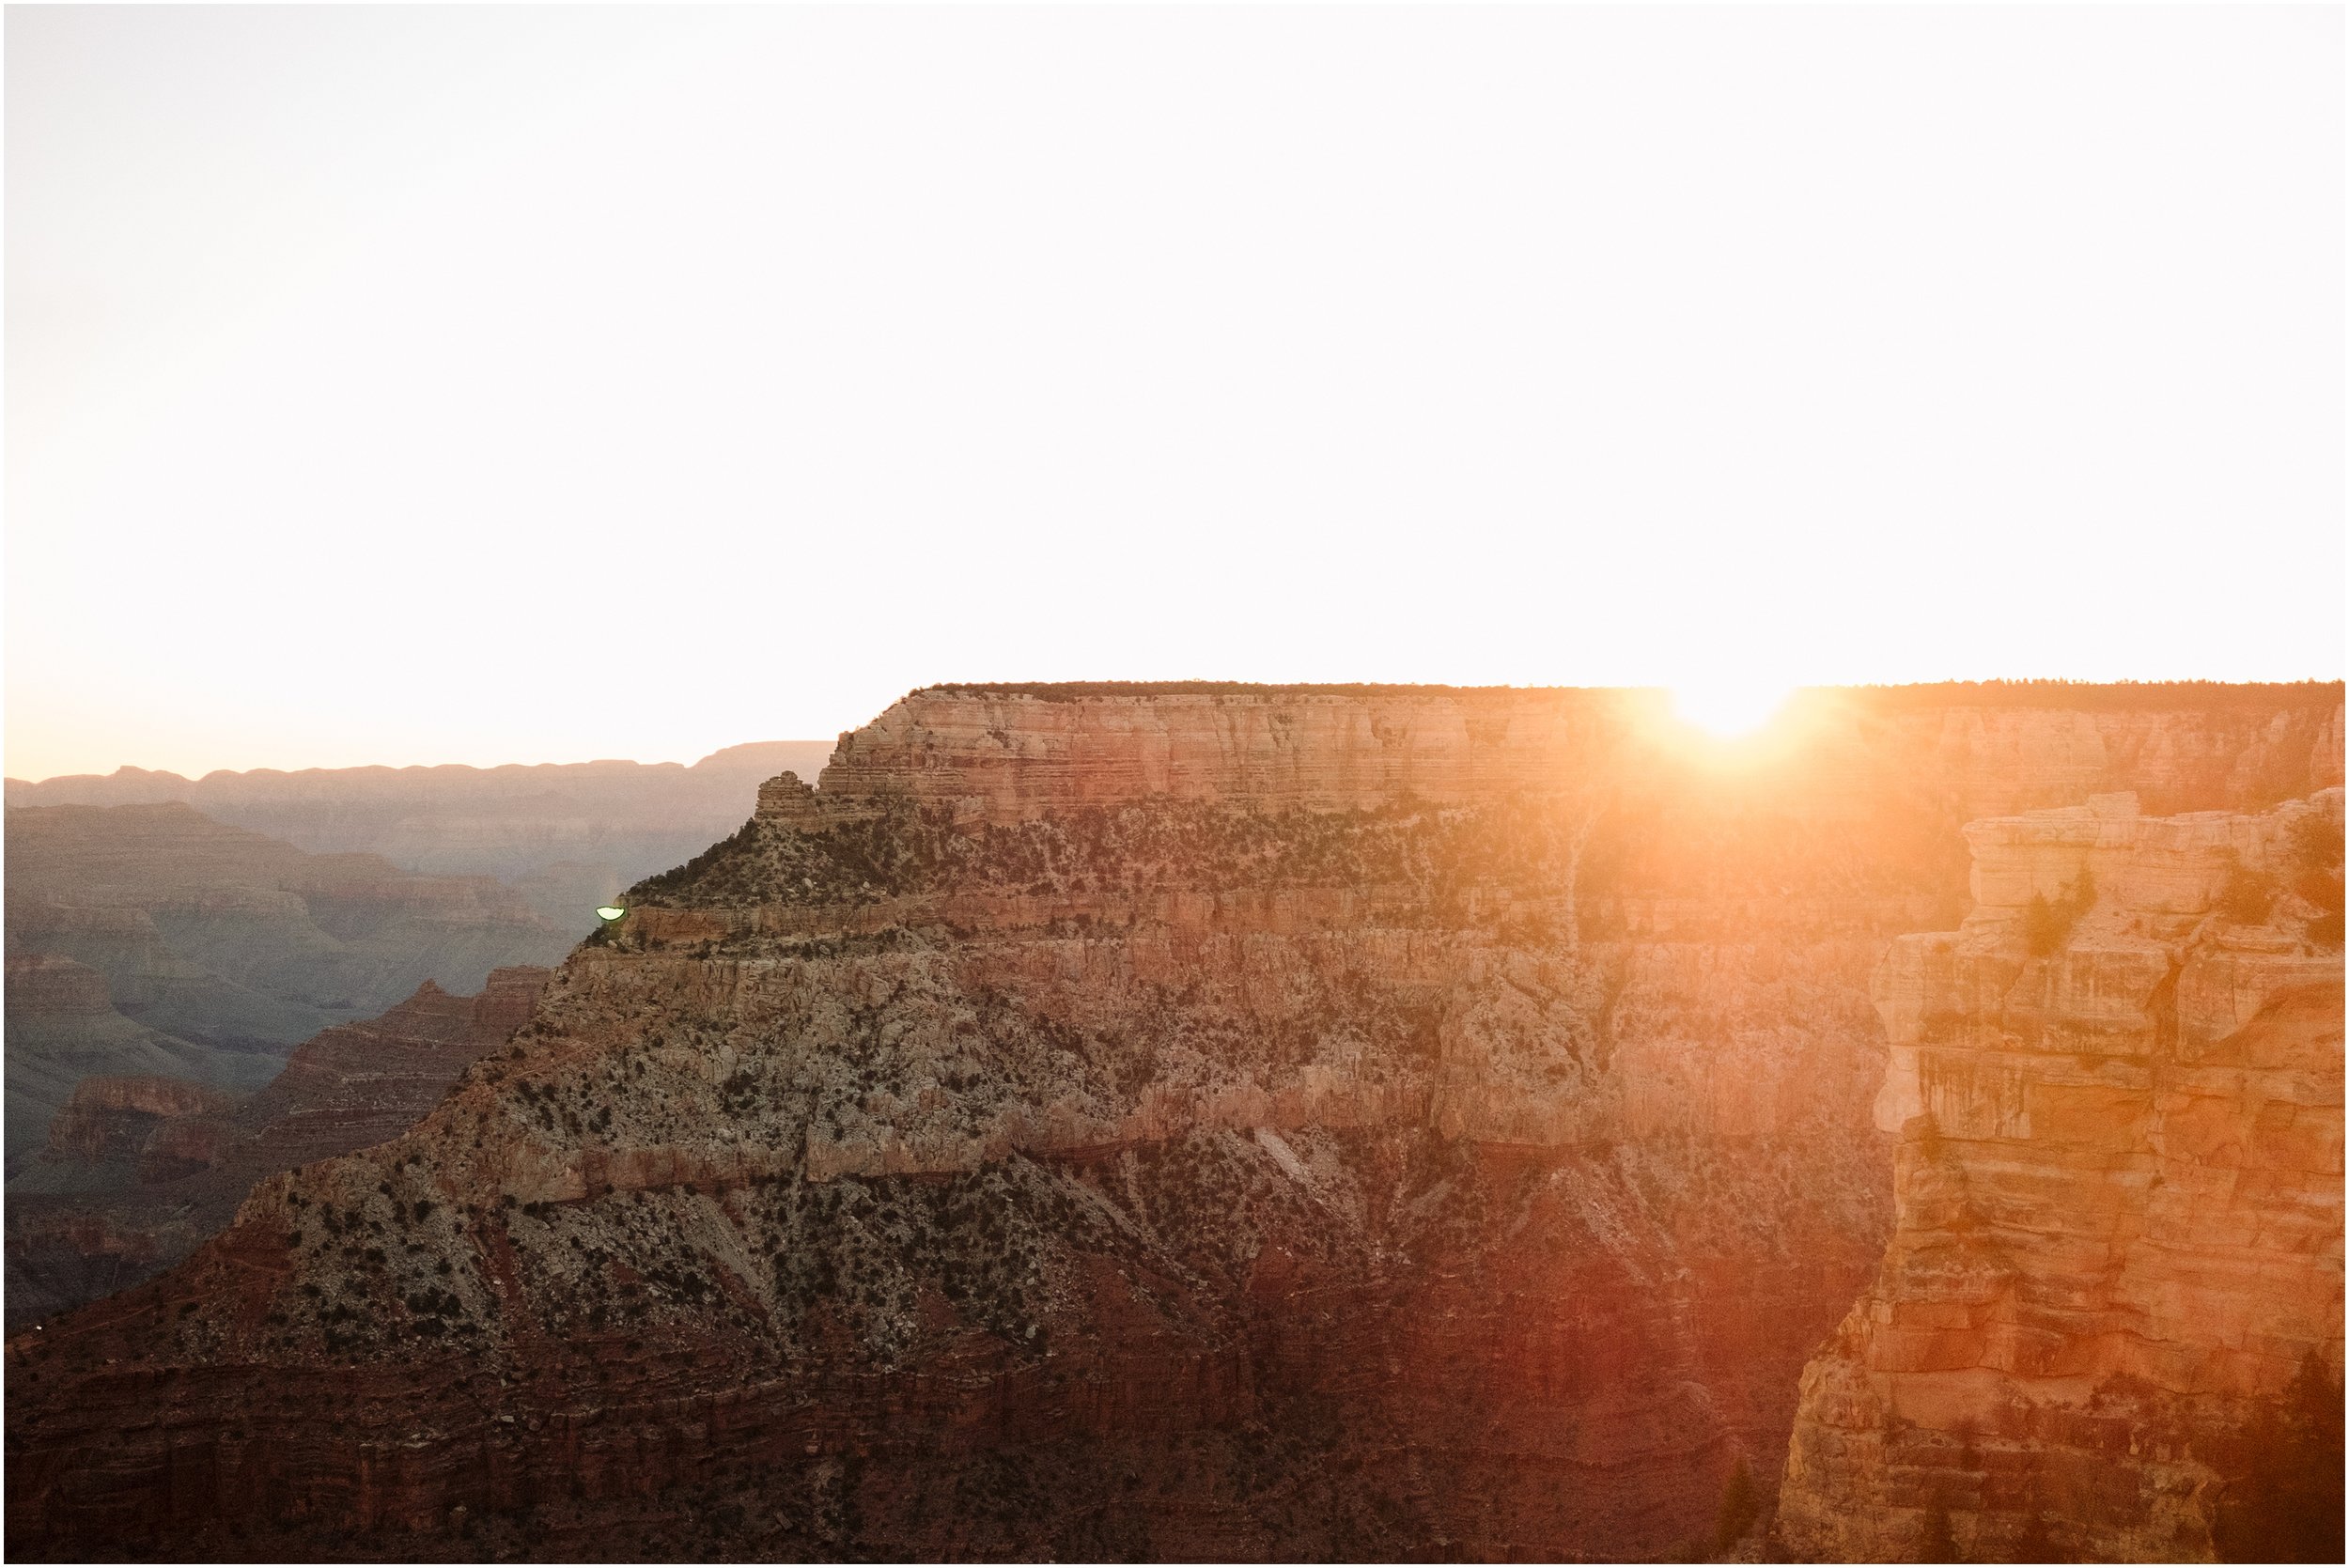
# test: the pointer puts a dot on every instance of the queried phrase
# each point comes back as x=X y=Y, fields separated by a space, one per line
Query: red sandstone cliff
x=1193 y=1124
x=2119 y=1191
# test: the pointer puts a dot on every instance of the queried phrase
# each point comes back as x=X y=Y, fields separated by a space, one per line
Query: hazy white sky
x=410 y=385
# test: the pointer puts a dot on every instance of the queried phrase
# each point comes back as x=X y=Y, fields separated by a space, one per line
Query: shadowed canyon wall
x=1182 y=1121
x=63 y=1027
x=138 y=1169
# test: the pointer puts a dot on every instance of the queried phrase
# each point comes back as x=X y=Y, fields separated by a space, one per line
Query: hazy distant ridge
x=566 y=834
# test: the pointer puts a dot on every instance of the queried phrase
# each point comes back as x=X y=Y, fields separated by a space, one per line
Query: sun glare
x=1730 y=708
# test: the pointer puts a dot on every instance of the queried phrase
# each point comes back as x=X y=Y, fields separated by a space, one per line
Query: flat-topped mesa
x=1009 y=752
x=2117 y=1236
x=981 y=806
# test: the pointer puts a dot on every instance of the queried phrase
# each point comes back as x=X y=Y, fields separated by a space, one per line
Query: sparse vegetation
x=727 y=1250
x=1741 y=1505
x=1936 y=1541
x=2247 y=897
x=2319 y=697
x=2046 y=926
x=2285 y=1504
x=2316 y=861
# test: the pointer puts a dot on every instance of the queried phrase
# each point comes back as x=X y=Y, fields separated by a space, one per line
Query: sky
x=417 y=385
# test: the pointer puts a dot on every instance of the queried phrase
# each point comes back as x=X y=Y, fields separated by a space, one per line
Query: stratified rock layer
x=2118 y=1189
x=1201 y=1124
x=63 y=1028
x=1006 y=753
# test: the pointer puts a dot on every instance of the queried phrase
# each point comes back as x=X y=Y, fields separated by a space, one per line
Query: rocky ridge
x=1257 y=1141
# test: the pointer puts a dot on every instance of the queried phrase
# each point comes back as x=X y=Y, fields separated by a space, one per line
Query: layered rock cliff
x=2118 y=1090
x=1113 y=1122
x=1010 y=752
x=138 y=1171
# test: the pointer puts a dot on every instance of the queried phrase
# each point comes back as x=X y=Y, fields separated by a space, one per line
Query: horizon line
x=2009 y=686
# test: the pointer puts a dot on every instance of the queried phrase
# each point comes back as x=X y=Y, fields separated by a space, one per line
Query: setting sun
x=1729 y=706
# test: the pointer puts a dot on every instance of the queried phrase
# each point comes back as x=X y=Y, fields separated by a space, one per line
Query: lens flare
x=610 y=911
x=1729 y=707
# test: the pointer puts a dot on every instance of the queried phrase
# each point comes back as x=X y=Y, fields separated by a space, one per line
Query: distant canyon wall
x=152 y=939
x=568 y=835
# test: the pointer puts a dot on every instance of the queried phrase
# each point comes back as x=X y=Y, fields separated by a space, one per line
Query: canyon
x=150 y=940
x=138 y=1169
x=567 y=837
x=1224 y=1122
x=63 y=1027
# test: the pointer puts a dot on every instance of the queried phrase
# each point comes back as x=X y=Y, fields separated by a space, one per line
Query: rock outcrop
x=138 y=1171
x=119 y=1123
x=1197 y=1124
x=2118 y=1090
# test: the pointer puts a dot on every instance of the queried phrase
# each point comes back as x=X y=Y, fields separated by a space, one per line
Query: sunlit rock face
x=2118 y=1187
x=1109 y=1123
x=1007 y=753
